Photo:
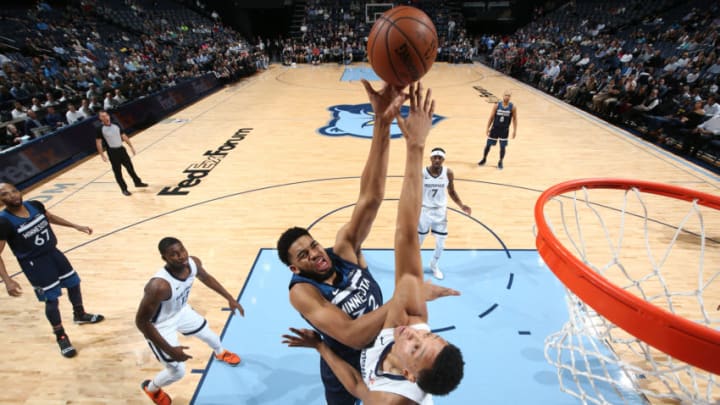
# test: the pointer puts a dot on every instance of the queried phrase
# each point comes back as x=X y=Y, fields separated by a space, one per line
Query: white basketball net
x=663 y=257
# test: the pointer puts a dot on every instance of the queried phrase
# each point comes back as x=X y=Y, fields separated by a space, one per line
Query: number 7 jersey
x=28 y=237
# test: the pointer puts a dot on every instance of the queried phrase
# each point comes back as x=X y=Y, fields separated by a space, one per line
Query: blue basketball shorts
x=49 y=273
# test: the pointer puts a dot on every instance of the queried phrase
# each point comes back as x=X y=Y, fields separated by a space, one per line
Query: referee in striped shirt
x=112 y=135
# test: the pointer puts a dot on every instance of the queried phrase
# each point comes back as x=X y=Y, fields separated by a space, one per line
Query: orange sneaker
x=228 y=357
x=160 y=397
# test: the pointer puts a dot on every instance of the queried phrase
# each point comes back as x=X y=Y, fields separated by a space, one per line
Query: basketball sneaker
x=500 y=166
x=66 y=348
x=159 y=397
x=436 y=270
x=482 y=162
x=87 y=318
x=228 y=357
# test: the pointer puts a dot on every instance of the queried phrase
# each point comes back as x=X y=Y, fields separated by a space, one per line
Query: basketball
x=402 y=45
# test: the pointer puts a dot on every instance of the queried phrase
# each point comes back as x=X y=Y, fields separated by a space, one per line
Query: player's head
x=10 y=196
x=428 y=360
x=437 y=157
x=173 y=253
x=506 y=96
x=445 y=373
x=304 y=255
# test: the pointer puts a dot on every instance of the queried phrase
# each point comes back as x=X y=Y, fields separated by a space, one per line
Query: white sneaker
x=436 y=270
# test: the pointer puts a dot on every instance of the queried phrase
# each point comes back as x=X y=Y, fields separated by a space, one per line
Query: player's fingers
x=428 y=100
x=413 y=96
x=368 y=87
x=402 y=124
x=419 y=95
x=432 y=109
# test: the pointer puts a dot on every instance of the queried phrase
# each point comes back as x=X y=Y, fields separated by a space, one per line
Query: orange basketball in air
x=402 y=45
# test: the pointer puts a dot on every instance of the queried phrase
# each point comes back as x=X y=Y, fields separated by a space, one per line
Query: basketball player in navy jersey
x=164 y=311
x=25 y=226
x=407 y=363
x=332 y=288
x=498 y=126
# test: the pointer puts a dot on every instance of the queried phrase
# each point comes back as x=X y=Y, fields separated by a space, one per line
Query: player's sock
x=152 y=387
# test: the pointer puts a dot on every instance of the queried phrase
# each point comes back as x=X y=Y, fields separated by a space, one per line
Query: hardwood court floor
x=282 y=173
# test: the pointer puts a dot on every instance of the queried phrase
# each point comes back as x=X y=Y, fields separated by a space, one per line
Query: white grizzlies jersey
x=434 y=195
x=180 y=290
x=376 y=380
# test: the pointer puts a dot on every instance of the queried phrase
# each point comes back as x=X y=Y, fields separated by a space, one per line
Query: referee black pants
x=118 y=158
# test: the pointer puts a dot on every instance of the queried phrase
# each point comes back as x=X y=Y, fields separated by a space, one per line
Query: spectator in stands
x=94 y=105
x=108 y=102
x=689 y=123
x=712 y=108
x=19 y=112
x=50 y=100
x=646 y=107
x=118 y=98
x=73 y=115
x=35 y=104
x=53 y=119
x=707 y=132
x=92 y=91
x=85 y=108
x=18 y=91
x=32 y=122
x=12 y=136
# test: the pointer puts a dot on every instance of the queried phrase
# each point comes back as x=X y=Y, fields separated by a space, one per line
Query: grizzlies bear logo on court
x=359 y=119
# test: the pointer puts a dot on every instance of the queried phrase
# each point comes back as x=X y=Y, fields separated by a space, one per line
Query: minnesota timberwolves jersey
x=355 y=292
x=180 y=290
x=434 y=195
x=502 y=117
x=28 y=237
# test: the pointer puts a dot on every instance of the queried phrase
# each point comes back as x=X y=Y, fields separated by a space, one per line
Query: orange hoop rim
x=681 y=338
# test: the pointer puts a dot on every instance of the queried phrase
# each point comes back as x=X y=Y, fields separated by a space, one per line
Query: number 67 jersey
x=28 y=237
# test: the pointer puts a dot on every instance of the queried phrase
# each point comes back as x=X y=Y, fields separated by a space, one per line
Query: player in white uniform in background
x=433 y=217
x=407 y=362
x=164 y=312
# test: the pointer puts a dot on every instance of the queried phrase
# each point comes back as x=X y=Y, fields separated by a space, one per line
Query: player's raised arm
x=408 y=264
x=350 y=237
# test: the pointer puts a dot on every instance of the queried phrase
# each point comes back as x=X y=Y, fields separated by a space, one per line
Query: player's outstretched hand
x=386 y=103
x=433 y=291
x=302 y=338
x=416 y=126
